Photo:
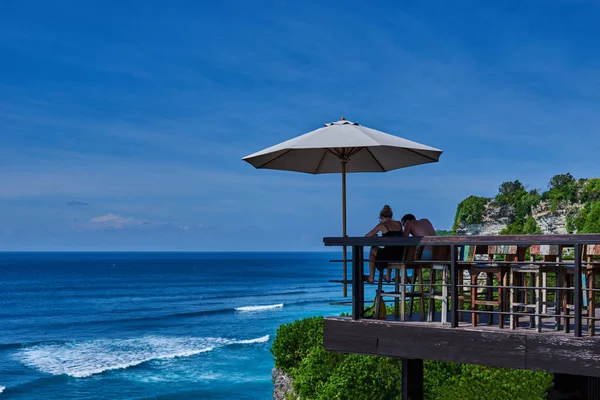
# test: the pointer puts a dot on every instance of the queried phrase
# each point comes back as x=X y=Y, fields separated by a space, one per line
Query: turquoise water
x=152 y=325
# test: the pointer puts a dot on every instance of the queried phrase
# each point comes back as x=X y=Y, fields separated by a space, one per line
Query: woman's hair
x=386 y=212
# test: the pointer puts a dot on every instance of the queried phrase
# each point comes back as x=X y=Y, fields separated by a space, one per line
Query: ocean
x=153 y=325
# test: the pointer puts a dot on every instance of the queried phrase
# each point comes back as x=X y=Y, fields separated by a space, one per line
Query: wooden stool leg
x=419 y=278
x=501 y=302
x=431 y=300
x=474 y=299
x=538 y=301
x=511 y=319
x=411 y=300
x=378 y=294
x=461 y=294
x=403 y=293
x=396 y=290
x=567 y=299
x=591 y=303
x=533 y=296
x=544 y=293
x=489 y=297
x=445 y=295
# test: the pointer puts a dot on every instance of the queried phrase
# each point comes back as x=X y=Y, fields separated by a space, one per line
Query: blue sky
x=122 y=124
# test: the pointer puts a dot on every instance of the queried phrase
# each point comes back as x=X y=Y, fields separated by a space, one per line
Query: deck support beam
x=567 y=386
x=412 y=379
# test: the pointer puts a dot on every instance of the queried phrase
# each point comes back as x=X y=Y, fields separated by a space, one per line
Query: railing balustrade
x=566 y=286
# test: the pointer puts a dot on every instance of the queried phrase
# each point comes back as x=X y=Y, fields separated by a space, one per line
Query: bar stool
x=400 y=285
x=535 y=275
x=588 y=274
x=442 y=255
x=591 y=269
x=490 y=269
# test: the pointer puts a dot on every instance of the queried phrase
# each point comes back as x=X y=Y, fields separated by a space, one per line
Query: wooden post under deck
x=412 y=379
x=568 y=386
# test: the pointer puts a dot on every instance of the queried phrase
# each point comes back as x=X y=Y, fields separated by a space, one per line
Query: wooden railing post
x=357 y=283
x=578 y=295
x=453 y=288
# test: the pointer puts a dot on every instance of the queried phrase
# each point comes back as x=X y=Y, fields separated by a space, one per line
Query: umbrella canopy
x=364 y=149
x=340 y=147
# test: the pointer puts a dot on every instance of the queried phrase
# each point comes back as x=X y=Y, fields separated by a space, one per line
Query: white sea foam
x=262 y=339
x=259 y=308
x=2 y=389
x=83 y=359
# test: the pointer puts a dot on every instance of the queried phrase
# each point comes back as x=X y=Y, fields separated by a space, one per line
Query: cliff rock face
x=496 y=218
x=554 y=222
x=283 y=389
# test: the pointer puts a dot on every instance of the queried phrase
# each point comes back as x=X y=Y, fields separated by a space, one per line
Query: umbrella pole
x=345 y=256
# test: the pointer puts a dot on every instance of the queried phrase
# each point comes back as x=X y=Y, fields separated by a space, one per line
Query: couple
x=407 y=226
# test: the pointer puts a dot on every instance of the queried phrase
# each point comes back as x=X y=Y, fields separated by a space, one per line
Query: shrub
x=592 y=219
x=295 y=340
x=360 y=377
x=314 y=372
x=515 y=228
x=531 y=227
x=478 y=382
x=591 y=191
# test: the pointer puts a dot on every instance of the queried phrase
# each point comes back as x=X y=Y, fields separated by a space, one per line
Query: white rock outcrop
x=496 y=217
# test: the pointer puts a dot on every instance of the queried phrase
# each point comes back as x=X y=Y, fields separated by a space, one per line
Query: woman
x=388 y=227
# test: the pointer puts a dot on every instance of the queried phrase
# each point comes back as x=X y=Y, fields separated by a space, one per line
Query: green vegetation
x=443 y=232
x=562 y=189
x=321 y=374
x=469 y=211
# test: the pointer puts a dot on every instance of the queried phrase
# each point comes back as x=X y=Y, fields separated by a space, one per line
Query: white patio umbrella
x=344 y=146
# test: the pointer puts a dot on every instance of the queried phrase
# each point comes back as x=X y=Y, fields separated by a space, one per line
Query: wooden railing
x=456 y=266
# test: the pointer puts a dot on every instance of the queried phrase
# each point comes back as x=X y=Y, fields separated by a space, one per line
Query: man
x=421 y=227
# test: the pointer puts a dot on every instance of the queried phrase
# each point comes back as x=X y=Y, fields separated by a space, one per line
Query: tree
x=562 y=187
x=509 y=192
x=561 y=181
x=592 y=220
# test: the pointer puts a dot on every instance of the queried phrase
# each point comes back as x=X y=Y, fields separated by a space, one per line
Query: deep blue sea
x=152 y=325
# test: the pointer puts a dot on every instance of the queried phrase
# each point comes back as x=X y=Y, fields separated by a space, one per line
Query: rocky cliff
x=282 y=386
x=496 y=217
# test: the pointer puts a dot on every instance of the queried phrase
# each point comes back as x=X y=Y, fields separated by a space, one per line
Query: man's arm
x=407 y=227
x=374 y=231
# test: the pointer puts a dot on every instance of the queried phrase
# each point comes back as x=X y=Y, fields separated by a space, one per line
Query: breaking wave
x=259 y=308
x=86 y=358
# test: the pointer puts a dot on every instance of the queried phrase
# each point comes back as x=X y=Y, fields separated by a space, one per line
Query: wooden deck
x=551 y=351
x=573 y=356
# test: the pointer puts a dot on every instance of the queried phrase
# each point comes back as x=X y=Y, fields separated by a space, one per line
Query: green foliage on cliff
x=293 y=344
x=469 y=211
x=321 y=374
x=562 y=189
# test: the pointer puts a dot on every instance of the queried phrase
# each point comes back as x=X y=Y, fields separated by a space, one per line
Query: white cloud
x=112 y=221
